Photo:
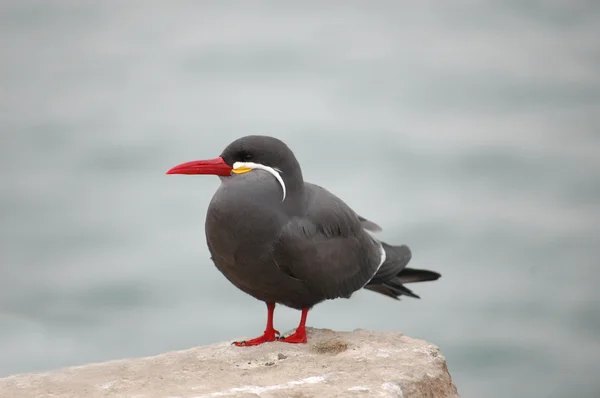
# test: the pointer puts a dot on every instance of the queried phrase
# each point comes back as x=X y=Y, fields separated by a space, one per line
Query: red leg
x=270 y=333
x=300 y=335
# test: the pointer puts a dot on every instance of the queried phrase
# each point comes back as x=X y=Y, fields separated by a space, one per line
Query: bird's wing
x=327 y=247
x=369 y=225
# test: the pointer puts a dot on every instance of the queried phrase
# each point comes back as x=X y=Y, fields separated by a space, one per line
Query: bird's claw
x=268 y=336
x=298 y=337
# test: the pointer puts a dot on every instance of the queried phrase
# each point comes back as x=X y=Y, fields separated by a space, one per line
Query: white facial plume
x=241 y=166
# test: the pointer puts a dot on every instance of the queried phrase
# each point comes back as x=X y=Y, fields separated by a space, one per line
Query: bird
x=286 y=241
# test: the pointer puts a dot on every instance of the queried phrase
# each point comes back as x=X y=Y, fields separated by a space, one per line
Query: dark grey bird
x=283 y=240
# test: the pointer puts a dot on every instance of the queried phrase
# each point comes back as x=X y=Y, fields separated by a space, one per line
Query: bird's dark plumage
x=283 y=240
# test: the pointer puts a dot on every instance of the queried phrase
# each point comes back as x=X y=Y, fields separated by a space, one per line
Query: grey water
x=469 y=131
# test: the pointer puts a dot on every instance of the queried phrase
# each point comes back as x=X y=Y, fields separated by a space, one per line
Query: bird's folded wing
x=327 y=248
x=369 y=225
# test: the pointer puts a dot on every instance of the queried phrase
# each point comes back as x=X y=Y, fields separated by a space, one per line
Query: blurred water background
x=469 y=131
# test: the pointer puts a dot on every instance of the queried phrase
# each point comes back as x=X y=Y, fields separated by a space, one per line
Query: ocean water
x=469 y=131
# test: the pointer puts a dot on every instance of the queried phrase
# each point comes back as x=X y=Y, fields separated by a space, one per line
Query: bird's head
x=253 y=152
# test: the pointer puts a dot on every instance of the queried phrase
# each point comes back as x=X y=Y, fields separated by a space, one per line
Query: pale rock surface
x=333 y=364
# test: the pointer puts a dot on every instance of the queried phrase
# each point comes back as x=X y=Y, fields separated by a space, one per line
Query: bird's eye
x=246 y=157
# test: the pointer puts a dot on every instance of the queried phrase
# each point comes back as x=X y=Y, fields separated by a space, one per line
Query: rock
x=333 y=364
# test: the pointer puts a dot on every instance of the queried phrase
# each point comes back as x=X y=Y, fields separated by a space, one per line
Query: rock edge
x=361 y=363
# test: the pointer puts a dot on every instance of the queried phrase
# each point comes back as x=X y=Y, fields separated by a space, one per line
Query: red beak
x=216 y=166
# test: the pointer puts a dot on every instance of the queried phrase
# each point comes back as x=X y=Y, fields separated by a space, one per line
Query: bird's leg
x=300 y=335
x=270 y=333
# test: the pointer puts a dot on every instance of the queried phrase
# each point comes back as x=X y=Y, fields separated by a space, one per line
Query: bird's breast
x=241 y=226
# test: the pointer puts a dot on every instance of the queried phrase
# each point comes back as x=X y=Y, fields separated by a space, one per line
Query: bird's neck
x=294 y=203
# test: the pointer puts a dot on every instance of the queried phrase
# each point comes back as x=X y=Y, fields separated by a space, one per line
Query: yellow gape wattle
x=241 y=170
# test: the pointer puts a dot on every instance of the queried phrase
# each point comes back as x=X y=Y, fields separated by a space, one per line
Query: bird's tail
x=393 y=274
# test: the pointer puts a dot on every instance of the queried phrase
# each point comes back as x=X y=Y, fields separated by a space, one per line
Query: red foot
x=299 y=337
x=269 y=335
